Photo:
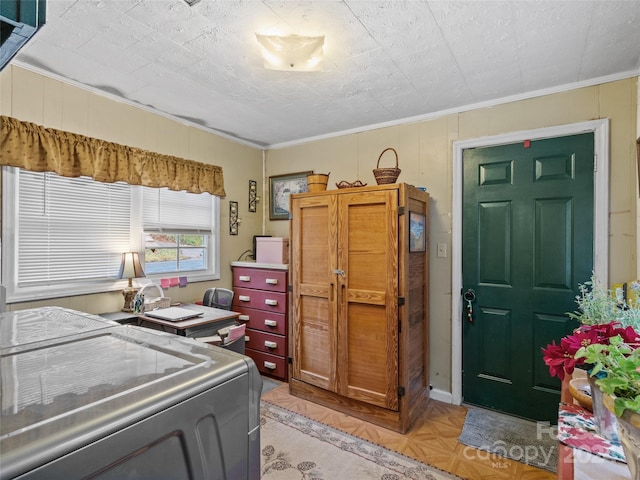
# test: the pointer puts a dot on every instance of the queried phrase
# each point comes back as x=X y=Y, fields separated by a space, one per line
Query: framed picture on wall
x=280 y=187
x=417 y=234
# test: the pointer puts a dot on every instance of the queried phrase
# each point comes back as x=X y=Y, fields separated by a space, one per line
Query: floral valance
x=39 y=149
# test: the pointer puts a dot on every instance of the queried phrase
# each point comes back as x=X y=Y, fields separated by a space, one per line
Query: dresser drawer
x=264 y=321
x=271 y=280
x=259 y=299
x=266 y=342
x=268 y=364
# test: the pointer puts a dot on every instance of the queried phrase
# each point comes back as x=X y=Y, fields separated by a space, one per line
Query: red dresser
x=261 y=297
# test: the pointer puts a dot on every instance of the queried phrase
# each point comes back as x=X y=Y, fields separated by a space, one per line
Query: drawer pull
x=270 y=344
x=270 y=365
x=244 y=278
x=244 y=318
x=247 y=338
x=273 y=303
x=271 y=281
x=244 y=298
x=271 y=323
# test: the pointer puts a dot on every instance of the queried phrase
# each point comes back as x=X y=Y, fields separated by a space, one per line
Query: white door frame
x=600 y=128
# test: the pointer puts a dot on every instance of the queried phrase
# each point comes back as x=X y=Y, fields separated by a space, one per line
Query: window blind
x=70 y=229
x=169 y=211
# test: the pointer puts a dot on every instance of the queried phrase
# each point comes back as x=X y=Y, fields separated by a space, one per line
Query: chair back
x=207 y=300
x=222 y=298
x=218 y=298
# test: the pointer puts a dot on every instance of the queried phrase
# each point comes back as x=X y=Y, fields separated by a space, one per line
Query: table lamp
x=130 y=268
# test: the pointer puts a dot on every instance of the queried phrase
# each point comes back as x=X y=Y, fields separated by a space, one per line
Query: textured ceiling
x=386 y=61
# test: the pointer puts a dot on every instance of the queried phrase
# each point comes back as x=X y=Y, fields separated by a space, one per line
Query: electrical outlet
x=442 y=250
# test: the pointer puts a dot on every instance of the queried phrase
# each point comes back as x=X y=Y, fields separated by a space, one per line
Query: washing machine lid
x=27 y=327
x=58 y=390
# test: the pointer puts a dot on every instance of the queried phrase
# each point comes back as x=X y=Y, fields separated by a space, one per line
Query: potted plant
x=602 y=316
x=619 y=361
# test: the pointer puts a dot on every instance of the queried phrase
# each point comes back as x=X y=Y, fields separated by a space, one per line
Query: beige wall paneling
x=134 y=127
x=27 y=95
x=166 y=136
x=620 y=104
x=5 y=91
x=75 y=109
x=52 y=103
x=435 y=171
x=104 y=119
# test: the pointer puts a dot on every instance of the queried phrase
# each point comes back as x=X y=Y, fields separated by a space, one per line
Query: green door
x=527 y=244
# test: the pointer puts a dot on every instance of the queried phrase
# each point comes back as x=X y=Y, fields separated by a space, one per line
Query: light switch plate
x=442 y=250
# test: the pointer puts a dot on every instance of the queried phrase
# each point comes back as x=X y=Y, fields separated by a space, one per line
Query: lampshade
x=130 y=266
x=292 y=52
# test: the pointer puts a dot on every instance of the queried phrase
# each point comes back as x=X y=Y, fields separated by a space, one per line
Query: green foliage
x=597 y=305
x=617 y=368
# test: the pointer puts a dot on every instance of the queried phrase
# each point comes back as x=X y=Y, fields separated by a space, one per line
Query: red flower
x=629 y=335
x=581 y=338
x=560 y=358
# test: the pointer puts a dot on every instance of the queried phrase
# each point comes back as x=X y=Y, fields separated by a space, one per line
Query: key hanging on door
x=469 y=296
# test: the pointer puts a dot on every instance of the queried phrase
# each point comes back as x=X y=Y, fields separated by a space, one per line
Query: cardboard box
x=272 y=250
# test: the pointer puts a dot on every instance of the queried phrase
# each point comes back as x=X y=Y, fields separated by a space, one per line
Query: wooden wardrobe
x=359 y=275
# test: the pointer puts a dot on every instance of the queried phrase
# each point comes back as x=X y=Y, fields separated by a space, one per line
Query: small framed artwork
x=417 y=234
x=280 y=187
x=253 y=195
x=233 y=218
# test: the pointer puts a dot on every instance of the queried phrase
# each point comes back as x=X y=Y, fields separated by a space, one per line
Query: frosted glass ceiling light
x=293 y=52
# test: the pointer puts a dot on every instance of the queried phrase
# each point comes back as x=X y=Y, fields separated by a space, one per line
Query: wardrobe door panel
x=367 y=297
x=313 y=246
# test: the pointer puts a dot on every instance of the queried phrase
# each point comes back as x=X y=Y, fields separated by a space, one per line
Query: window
x=177 y=227
x=65 y=236
x=174 y=253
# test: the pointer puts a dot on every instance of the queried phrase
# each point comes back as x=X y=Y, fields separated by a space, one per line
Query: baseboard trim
x=441 y=396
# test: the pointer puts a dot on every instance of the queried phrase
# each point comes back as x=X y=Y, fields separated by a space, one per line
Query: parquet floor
x=433 y=439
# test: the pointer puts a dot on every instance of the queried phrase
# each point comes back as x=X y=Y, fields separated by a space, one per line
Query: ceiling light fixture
x=292 y=52
x=191 y=3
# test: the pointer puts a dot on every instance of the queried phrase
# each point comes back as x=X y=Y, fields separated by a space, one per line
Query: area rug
x=511 y=437
x=295 y=447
